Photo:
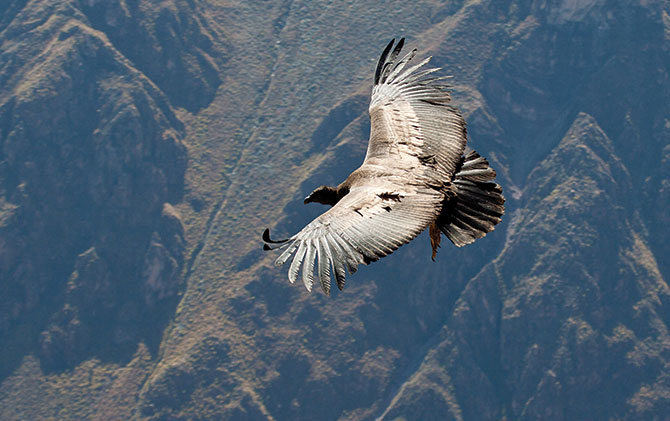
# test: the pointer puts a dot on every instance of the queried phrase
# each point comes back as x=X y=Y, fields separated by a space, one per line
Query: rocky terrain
x=144 y=146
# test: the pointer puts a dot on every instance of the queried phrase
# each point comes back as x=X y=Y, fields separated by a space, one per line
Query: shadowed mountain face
x=145 y=145
x=92 y=155
x=550 y=320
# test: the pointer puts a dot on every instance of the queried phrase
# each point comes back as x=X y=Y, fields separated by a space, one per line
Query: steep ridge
x=173 y=42
x=244 y=311
x=535 y=335
x=270 y=100
x=326 y=348
x=91 y=152
x=91 y=248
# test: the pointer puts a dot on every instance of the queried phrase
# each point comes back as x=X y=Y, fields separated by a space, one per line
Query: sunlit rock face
x=134 y=285
x=91 y=154
x=170 y=41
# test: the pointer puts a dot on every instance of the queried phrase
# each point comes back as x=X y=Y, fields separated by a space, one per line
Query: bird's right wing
x=371 y=221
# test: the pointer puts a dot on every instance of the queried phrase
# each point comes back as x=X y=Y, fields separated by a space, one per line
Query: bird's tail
x=477 y=207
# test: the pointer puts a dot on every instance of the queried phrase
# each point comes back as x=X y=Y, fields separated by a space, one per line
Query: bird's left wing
x=371 y=221
x=411 y=120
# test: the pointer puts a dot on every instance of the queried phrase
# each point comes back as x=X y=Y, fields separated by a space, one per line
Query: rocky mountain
x=145 y=145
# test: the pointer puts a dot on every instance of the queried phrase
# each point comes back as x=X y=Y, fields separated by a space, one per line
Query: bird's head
x=324 y=194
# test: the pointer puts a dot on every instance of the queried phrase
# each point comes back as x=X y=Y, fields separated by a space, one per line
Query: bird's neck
x=332 y=195
x=340 y=192
x=329 y=196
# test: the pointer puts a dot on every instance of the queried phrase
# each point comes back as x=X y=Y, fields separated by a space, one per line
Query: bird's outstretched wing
x=411 y=119
x=371 y=221
x=416 y=143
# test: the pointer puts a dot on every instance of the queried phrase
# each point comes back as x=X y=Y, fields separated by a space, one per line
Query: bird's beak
x=308 y=199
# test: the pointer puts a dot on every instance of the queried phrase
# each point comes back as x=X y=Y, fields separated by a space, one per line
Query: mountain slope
x=92 y=157
x=143 y=292
x=542 y=336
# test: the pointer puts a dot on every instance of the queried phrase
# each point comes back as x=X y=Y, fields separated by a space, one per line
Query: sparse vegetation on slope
x=145 y=146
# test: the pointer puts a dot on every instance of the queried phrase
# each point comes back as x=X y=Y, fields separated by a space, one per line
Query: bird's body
x=414 y=176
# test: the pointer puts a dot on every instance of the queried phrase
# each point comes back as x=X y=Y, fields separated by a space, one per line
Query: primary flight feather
x=415 y=175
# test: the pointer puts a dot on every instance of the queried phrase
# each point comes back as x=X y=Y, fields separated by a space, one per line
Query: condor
x=416 y=175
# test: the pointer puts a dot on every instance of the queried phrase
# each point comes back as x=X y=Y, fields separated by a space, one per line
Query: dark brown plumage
x=414 y=176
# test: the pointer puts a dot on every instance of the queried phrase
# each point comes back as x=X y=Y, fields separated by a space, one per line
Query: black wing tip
x=382 y=60
x=383 y=63
x=267 y=239
x=399 y=46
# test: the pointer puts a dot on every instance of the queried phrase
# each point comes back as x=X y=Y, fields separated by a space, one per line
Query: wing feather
x=295 y=264
x=382 y=60
x=352 y=258
x=324 y=256
x=391 y=59
x=308 y=265
x=338 y=257
x=401 y=64
x=405 y=77
x=286 y=254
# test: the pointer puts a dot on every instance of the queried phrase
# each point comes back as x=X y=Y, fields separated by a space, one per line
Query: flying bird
x=416 y=174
